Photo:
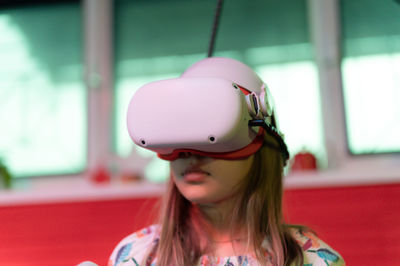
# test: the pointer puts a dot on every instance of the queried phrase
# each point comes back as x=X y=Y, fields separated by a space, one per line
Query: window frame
x=325 y=30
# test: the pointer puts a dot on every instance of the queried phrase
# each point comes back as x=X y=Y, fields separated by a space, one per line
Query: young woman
x=222 y=208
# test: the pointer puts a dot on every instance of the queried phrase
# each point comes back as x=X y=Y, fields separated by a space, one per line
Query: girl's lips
x=195 y=175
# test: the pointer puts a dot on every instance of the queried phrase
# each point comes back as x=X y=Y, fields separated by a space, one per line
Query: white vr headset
x=210 y=110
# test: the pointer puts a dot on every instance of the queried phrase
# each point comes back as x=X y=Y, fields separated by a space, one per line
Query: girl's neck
x=216 y=216
x=215 y=222
x=222 y=236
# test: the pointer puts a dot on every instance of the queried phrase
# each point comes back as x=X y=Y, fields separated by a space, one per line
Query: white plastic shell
x=226 y=68
x=184 y=113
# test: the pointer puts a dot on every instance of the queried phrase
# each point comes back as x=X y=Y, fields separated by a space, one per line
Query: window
x=51 y=124
x=371 y=75
x=148 y=49
x=296 y=92
x=43 y=99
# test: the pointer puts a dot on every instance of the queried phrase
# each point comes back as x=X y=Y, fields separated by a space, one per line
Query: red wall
x=362 y=223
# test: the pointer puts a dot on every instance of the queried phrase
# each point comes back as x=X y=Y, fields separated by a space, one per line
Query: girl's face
x=205 y=180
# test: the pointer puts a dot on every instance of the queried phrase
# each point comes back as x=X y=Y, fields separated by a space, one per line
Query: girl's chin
x=199 y=199
x=204 y=199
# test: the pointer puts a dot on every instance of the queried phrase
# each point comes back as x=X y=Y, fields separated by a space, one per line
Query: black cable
x=215 y=28
x=272 y=131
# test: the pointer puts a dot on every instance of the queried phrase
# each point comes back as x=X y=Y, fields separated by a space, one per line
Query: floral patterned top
x=133 y=249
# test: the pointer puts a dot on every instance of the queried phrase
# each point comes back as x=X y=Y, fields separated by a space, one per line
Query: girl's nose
x=194 y=156
x=184 y=155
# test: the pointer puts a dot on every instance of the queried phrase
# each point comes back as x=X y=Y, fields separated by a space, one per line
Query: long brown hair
x=258 y=207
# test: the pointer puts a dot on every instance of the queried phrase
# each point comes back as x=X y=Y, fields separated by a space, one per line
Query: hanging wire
x=215 y=28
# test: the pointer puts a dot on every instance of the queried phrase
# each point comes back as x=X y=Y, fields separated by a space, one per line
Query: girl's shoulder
x=315 y=251
x=135 y=247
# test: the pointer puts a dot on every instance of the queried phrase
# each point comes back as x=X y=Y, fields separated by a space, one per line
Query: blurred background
x=72 y=184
